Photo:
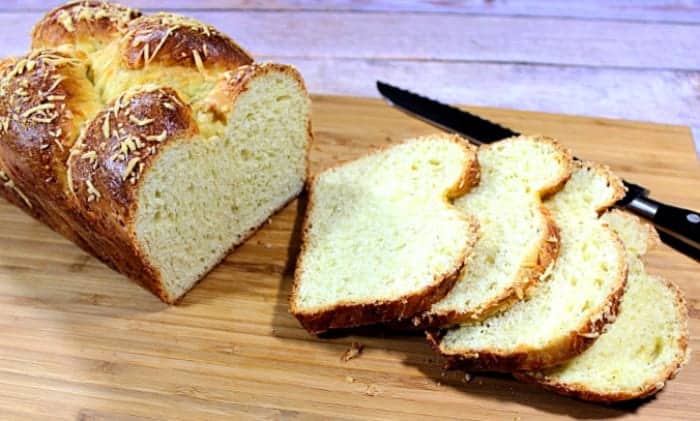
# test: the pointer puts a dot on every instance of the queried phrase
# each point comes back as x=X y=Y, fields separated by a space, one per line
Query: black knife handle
x=680 y=228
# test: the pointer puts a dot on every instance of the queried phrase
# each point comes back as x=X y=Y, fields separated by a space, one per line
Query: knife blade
x=678 y=227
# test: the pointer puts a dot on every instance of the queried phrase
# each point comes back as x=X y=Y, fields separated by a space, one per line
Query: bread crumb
x=349 y=379
x=467 y=378
x=372 y=390
x=353 y=352
x=267 y=245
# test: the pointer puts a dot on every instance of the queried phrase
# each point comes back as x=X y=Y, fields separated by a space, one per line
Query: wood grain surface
x=78 y=341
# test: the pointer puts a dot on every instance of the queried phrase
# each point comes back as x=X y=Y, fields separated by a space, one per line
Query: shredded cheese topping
x=38 y=108
x=93 y=193
x=159 y=137
x=65 y=19
x=8 y=183
x=139 y=122
x=198 y=61
x=105 y=126
x=130 y=167
x=91 y=156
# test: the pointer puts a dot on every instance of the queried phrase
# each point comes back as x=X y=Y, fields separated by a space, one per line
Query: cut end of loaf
x=381 y=241
x=203 y=196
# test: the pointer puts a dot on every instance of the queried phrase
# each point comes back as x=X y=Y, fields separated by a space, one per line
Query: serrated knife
x=678 y=227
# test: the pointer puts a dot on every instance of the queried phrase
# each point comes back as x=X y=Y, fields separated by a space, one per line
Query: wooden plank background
x=633 y=59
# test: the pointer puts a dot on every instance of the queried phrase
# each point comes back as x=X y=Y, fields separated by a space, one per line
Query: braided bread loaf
x=153 y=142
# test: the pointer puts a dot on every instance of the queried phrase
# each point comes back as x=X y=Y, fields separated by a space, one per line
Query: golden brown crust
x=235 y=82
x=6 y=63
x=171 y=40
x=527 y=277
x=91 y=22
x=651 y=387
x=471 y=176
x=556 y=352
x=13 y=194
x=120 y=142
x=44 y=98
x=614 y=182
x=353 y=314
x=568 y=160
x=360 y=314
x=8 y=188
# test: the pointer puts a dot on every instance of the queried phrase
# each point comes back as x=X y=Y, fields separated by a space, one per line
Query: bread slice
x=518 y=239
x=381 y=240
x=576 y=299
x=646 y=346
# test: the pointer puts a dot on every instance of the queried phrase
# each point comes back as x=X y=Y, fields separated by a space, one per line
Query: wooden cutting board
x=79 y=341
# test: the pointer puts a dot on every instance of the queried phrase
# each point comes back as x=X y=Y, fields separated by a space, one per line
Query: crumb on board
x=353 y=352
x=467 y=378
x=264 y=244
x=372 y=390
x=350 y=379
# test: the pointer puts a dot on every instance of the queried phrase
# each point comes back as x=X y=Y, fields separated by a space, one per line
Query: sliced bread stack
x=518 y=239
x=571 y=306
x=503 y=281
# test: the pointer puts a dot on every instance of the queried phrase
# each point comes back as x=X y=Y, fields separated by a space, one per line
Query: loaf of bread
x=153 y=142
x=518 y=239
x=573 y=303
x=645 y=346
x=381 y=241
